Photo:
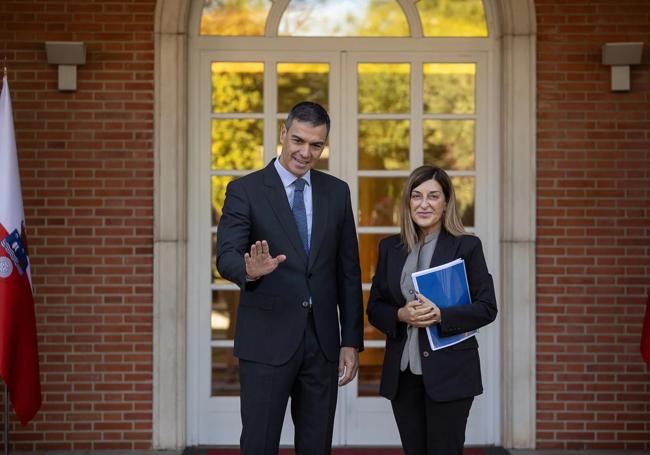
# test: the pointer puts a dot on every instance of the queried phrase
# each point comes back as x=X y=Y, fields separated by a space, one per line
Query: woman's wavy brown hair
x=410 y=233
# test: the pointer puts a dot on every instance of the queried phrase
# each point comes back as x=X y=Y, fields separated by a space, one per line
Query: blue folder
x=446 y=286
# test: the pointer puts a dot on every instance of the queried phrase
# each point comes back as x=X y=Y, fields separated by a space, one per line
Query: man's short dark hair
x=308 y=112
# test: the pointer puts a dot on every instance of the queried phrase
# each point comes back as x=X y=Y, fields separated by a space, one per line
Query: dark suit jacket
x=451 y=373
x=271 y=317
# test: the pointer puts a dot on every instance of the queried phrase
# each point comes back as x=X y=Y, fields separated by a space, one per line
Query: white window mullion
x=384 y=116
x=236 y=115
x=234 y=172
x=378 y=230
x=416 y=113
x=222 y=343
x=449 y=116
x=382 y=173
x=349 y=103
x=270 y=109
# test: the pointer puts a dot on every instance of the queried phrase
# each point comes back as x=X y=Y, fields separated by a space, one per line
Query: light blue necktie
x=300 y=213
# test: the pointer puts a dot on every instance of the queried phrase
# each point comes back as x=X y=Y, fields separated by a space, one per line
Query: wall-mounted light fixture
x=66 y=54
x=620 y=56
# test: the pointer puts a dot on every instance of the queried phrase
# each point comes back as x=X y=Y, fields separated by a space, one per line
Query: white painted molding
x=518 y=199
x=274 y=17
x=518 y=231
x=170 y=220
x=413 y=17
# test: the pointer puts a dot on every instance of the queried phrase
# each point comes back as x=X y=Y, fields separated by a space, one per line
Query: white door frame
x=514 y=27
x=207 y=413
x=369 y=421
x=359 y=420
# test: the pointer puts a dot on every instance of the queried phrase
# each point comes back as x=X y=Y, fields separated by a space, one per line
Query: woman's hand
x=421 y=312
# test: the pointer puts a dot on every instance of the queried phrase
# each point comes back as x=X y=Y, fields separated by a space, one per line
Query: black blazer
x=451 y=373
x=271 y=316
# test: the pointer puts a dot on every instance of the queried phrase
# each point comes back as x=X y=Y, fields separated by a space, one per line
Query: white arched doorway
x=515 y=239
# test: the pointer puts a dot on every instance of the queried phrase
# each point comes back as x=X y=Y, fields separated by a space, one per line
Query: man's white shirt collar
x=287 y=177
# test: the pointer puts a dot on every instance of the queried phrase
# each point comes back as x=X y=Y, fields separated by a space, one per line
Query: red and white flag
x=18 y=345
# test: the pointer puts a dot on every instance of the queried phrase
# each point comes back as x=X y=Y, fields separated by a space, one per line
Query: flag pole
x=5 y=438
x=6 y=419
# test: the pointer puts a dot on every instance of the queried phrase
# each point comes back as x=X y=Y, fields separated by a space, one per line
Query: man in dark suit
x=287 y=238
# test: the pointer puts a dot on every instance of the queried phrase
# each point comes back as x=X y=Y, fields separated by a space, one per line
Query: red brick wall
x=593 y=254
x=86 y=163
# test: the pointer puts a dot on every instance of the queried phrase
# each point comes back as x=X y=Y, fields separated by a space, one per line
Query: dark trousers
x=427 y=427
x=312 y=383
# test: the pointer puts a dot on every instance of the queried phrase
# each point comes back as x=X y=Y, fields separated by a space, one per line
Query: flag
x=645 y=334
x=18 y=345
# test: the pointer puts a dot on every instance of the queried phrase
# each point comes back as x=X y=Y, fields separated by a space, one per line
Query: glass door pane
x=383 y=144
x=343 y=18
x=236 y=147
x=410 y=109
x=297 y=82
x=449 y=128
x=237 y=87
x=240 y=118
x=383 y=138
x=449 y=88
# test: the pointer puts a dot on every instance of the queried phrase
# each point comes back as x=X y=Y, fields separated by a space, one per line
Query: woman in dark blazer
x=431 y=392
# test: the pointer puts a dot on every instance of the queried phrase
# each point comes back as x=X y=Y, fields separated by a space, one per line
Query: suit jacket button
x=305 y=304
x=425 y=354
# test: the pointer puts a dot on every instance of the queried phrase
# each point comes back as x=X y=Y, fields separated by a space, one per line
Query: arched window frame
x=408 y=7
x=516 y=35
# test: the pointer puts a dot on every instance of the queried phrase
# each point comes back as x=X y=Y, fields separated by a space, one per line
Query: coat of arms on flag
x=15 y=248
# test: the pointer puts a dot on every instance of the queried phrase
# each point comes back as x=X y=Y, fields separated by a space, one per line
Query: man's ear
x=283 y=133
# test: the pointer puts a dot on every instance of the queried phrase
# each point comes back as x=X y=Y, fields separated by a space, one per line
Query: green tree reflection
x=234 y=17
x=452 y=17
x=302 y=82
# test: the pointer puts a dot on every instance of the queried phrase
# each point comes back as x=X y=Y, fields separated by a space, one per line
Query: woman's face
x=427 y=206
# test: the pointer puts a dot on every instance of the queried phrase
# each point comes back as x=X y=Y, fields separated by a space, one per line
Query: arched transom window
x=329 y=18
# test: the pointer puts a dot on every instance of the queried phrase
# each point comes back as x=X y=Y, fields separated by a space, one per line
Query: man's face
x=302 y=146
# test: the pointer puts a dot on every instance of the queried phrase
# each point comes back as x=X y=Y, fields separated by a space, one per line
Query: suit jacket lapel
x=445 y=251
x=396 y=259
x=277 y=197
x=320 y=209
